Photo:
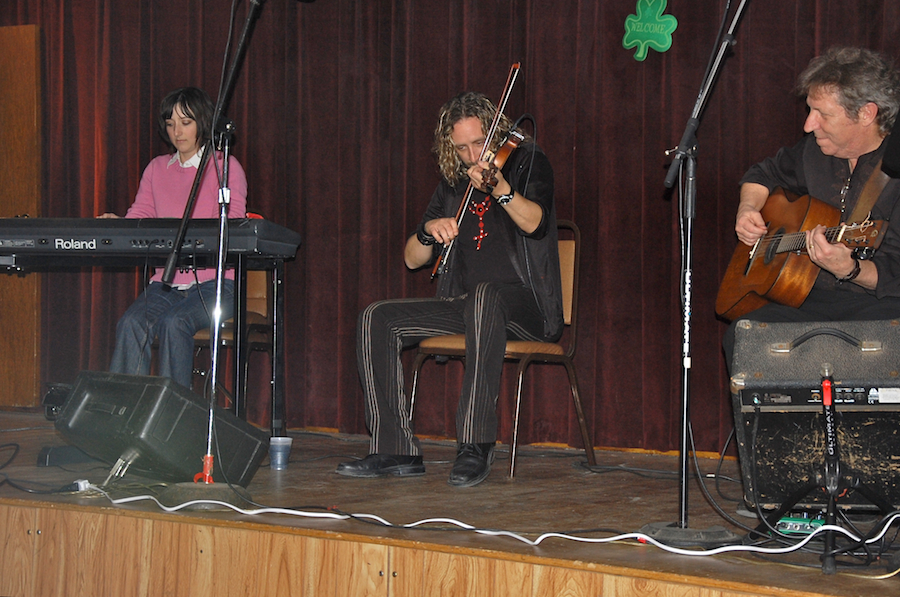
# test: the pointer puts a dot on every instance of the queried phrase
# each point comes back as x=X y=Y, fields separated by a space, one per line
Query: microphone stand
x=182 y=492
x=216 y=319
x=678 y=533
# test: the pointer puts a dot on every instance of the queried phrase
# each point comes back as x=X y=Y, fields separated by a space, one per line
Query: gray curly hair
x=858 y=76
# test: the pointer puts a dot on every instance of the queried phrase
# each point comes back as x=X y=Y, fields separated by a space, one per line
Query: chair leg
x=585 y=436
x=240 y=410
x=417 y=367
x=514 y=444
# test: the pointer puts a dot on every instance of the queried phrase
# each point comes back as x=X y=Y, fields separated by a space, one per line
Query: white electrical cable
x=640 y=537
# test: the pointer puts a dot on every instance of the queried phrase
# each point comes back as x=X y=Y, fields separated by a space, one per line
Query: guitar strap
x=877 y=180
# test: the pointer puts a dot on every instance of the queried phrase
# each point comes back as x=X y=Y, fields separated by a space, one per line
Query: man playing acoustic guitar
x=853 y=97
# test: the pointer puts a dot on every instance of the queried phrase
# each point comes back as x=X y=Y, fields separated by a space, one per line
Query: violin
x=496 y=160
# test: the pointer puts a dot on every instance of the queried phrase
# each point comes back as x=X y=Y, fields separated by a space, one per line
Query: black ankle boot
x=473 y=464
x=382 y=465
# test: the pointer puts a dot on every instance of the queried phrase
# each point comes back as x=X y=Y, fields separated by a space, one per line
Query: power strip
x=797 y=525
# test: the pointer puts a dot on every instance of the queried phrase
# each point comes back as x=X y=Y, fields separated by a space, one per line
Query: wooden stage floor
x=552 y=492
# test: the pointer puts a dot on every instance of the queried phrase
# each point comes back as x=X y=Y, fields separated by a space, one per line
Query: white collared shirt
x=193 y=162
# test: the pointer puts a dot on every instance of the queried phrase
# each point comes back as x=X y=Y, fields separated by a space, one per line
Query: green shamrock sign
x=649 y=28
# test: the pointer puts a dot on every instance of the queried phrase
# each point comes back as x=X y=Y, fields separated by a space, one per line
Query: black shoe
x=383 y=465
x=473 y=464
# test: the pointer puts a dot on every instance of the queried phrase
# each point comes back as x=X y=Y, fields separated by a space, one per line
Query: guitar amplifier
x=778 y=413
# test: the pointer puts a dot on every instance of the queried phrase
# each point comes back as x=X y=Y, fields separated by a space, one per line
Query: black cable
x=640 y=472
x=718 y=474
x=709 y=498
x=15 y=448
x=16 y=483
x=754 y=480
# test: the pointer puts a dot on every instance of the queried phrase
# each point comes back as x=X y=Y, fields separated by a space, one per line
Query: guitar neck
x=792 y=242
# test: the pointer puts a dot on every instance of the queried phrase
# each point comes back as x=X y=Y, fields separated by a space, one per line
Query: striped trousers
x=488 y=316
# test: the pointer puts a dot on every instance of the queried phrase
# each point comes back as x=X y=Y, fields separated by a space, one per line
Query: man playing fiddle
x=501 y=282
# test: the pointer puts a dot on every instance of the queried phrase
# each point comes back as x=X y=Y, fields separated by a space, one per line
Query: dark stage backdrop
x=335 y=107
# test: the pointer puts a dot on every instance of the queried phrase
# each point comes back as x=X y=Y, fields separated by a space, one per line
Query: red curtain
x=335 y=106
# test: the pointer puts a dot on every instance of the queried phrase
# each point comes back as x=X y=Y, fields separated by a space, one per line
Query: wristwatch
x=504 y=199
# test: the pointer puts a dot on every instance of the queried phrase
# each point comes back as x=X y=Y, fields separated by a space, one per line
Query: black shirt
x=533 y=258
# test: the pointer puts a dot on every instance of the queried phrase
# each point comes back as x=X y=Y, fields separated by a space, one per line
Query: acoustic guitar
x=777 y=268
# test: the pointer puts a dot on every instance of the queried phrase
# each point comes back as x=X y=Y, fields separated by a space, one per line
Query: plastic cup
x=279 y=452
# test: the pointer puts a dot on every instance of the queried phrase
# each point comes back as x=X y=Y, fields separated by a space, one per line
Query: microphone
x=688 y=140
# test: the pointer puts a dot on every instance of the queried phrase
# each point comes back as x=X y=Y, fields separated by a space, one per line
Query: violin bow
x=440 y=264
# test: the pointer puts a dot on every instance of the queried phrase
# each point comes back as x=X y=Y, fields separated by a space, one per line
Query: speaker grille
x=778 y=413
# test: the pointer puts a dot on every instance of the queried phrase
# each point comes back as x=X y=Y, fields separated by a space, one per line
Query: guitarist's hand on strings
x=838 y=259
x=749 y=224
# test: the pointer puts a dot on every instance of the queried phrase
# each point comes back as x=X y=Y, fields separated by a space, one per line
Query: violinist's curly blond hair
x=464 y=105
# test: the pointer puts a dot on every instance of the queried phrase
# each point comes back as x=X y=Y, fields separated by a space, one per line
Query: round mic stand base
x=676 y=536
x=205 y=494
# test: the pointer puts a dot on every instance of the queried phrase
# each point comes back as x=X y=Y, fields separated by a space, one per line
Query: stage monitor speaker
x=158 y=428
x=778 y=414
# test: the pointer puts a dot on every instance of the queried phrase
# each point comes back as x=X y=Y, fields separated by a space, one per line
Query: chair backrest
x=568 y=268
x=567 y=274
x=258 y=292
x=569 y=257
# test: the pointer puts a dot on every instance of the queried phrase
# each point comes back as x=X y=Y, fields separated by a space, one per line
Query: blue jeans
x=173 y=316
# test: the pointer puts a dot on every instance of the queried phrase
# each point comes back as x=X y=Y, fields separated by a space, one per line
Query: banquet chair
x=528 y=352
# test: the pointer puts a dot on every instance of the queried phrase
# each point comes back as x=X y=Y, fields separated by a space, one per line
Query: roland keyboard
x=76 y=242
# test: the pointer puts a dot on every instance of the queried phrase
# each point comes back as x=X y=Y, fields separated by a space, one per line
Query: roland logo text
x=72 y=244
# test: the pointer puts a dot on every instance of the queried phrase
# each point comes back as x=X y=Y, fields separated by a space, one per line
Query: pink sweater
x=164 y=191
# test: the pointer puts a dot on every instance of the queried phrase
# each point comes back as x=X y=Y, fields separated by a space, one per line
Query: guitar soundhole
x=772 y=246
